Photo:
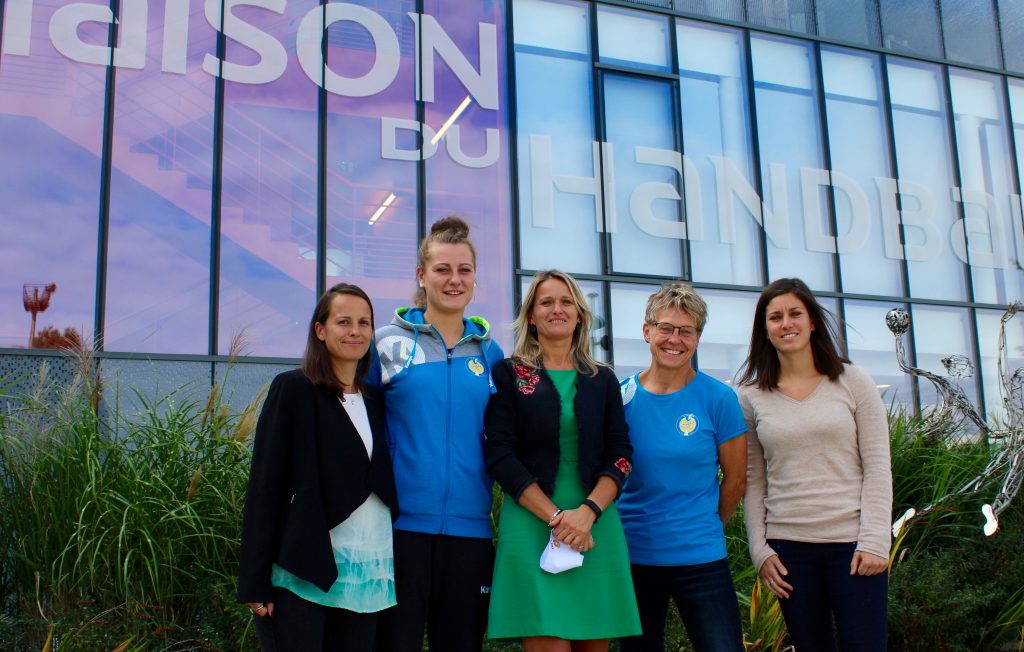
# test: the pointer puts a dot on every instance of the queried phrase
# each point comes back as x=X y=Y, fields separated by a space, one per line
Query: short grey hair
x=677 y=296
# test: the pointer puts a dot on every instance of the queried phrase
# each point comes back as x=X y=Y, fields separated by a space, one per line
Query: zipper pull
x=293 y=499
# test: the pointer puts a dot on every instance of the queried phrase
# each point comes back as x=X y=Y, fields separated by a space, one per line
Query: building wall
x=191 y=186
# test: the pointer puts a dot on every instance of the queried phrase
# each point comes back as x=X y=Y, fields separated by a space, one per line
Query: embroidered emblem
x=687 y=424
x=475 y=366
x=623 y=465
x=526 y=379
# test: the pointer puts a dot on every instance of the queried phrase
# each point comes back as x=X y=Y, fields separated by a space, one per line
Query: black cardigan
x=309 y=472
x=521 y=429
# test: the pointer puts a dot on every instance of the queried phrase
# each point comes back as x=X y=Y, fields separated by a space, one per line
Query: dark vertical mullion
x=755 y=147
x=887 y=115
x=421 y=117
x=826 y=153
x=106 y=164
x=942 y=29
x=597 y=81
x=999 y=34
x=216 y=194
x=321 y=165
x=513 y=145
x=686 y=266
x=876 y=5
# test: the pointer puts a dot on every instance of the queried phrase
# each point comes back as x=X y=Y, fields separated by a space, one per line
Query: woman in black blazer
x=316 y=559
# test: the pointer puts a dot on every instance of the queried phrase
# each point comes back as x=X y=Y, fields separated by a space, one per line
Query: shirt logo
x=475 y=366
x=687 y=424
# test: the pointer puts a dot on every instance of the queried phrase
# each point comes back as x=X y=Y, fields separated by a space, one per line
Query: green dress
x=591 y=602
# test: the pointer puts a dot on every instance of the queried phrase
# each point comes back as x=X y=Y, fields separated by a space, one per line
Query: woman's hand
x=772 y=573
x=261 y=609
x=572 y=527
x=865 y=563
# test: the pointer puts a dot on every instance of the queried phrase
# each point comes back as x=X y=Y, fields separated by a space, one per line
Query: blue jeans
x=823 y=589
x=705 y=597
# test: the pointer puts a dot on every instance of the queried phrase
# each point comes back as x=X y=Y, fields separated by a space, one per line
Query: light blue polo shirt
x=669 y=505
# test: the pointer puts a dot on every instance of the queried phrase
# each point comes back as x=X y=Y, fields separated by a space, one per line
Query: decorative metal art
x=36 y=299
x=954 y=415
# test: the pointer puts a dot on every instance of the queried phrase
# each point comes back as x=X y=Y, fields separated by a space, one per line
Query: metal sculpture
x=36 y=298
x=954 y=413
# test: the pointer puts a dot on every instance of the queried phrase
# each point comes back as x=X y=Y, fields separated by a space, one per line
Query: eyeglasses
x=667 y=329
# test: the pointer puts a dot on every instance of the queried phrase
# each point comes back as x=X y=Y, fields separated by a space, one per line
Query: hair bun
x=451 y=226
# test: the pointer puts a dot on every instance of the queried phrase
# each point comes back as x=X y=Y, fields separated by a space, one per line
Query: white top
x=356 y=408
x=818 y=469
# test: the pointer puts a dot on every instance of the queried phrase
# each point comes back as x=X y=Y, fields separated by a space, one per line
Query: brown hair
x=762 y=365
x=527 y=346
x=316 y=361
x=447 y=230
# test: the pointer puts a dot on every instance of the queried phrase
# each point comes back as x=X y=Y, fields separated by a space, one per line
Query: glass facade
x=190 y=175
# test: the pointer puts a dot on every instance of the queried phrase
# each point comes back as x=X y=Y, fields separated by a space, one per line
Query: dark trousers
x=302 y=626
x=823 y=590
x=443 y=586
x=705 y=597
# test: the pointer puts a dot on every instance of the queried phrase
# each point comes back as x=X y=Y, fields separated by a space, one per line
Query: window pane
x=472 y=160
x=796 y=215
x=726 y=338
x=1016 y=88
x=632 y=353
x=634 y=39
x=1011 y=23
x=870 y=252
x=871 y=345
x=552 y=25
x=51 y=127
x=938 y=333
x=792 y=15
x=986 y=180
x=855 y=21
x=724 y=238
x=158 y=273
x=988 y=338
x=911 y=26
x=925 y=164
x=269 y=195
x=727 y=9
x=372 y=149
x=649 y=234
x=969 y=32
x=560 y=215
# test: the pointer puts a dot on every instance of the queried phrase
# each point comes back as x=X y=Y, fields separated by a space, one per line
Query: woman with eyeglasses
x=819 y=489
x=685 y=426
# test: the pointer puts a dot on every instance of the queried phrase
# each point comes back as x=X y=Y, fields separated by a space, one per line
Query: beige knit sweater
x=818 y=469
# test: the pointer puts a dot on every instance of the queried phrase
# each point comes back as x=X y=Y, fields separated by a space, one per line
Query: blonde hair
x=527 y=347
x=677 y=296
x=447 y=230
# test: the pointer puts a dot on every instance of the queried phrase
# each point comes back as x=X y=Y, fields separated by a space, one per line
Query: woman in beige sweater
x=819 y=488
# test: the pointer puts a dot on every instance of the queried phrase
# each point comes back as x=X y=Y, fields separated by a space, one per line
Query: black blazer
x=521 y=429
x=309 y=472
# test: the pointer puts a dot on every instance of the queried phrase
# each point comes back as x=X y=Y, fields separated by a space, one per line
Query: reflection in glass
x=51 y=129
x=726 y=338
x=632 y=353
x=855 y=21
x=726 y=248
x=797 y=221
x=158 y=276
x=552 y=25
x=911 y=26
x=632 y=38
x=269 y=197
x=969 y=32
x=939 y=332
x=871 y=345
x=471 y=163
x=870 y=252
x=925 y=164
x=649 y=233
x=372 y=195
x=988 y=339
x=987 y=185
x=560 y=189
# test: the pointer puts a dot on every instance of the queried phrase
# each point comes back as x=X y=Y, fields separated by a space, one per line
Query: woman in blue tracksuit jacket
x=436 y=375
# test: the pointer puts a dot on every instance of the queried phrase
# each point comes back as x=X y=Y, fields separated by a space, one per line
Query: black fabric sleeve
x=618 y=451
x=502 y=436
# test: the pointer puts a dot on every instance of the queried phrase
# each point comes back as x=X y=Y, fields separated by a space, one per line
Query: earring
x=421 y=283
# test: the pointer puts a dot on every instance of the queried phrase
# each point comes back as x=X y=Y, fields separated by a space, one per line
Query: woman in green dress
x=556 y=442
